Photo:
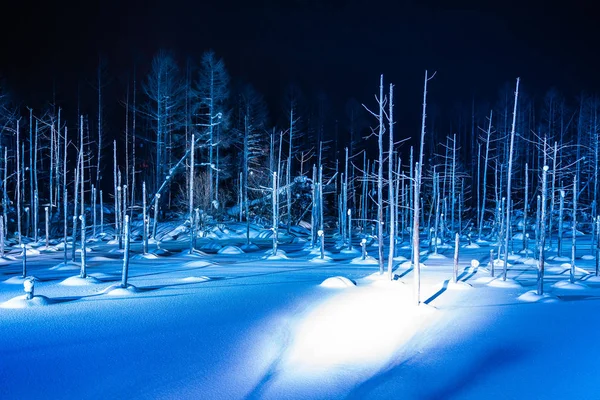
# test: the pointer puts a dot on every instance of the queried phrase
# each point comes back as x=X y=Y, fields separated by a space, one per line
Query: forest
x=196 y=145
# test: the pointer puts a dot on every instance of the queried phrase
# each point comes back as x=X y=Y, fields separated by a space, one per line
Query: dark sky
x=339 y=46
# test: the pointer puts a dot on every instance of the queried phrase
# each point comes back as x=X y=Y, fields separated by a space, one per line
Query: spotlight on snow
x=355 y=328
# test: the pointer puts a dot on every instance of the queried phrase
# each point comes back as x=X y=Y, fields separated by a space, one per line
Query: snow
x=230 y=250
x=232 y=326
x=338 y=282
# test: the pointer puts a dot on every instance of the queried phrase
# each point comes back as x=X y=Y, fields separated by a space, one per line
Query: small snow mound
x=559 y=258
x=32 y=252
x=79 y=281
x=369 y=260
x=281 y=255
x=400 y=258
x=230 y=250
x=506 y=284
x=325 y=259
x=299 y=239
x=588 y=257
x=78 y=251
x=197 y=264
x=593 y=279
x=530 y=261
x=69 y=266
x=22 y=302
x=147 y=256
x=18 y=280
x=533 y=297
x=437 y=257
x=7 y=259
x=408 y=264
x=567 y=285
x=474 y=263
x=249 y=247
x=471 y=246
x=553 y=269
x=162 y=252
x=500 y=263
x=317 y=251
x=194 y=279
x=483 y=242
x=353 y=250
x=338 y=282
x=117 y=290
x=211 y=246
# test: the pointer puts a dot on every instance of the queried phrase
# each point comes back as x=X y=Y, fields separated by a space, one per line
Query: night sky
x=339 y=47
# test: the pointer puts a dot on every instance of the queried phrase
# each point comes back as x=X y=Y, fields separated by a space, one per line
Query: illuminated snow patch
x=471 y=246
x=22 y=302
x=194 y=279
x=355 y=328
x=147 y=256
x=400 y=258
x=533 y=297
x=79 y=281
x=436 y=257
x=197 y=264
x=230 y=250
x=567 y=285
x=587 y=257
x=475 y=263
x=337 y=282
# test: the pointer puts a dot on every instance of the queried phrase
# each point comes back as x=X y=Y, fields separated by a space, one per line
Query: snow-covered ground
x=229 y=324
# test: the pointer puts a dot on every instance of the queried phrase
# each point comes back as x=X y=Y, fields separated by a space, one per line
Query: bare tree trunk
x=380 y=180
x=125 y=271
x=525 y=208
x=391 y=200
x=144 y=220
x=19 y=184
x=561 y=208
x=115 y=184
x=540 y=283
x=509 y=181
x=191 y=192
x=101 y=213
x=574 y=240
x=275 y=212
x=416 y=200
x=456 y=243
x=485 y=167
x=47 y=227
